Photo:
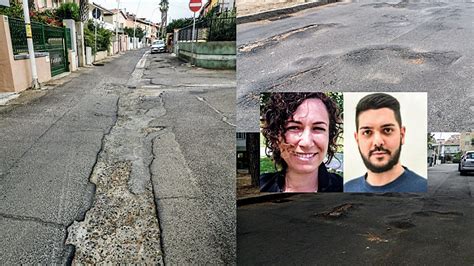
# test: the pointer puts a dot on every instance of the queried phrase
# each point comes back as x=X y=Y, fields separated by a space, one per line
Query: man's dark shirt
x=408 y=181
x=327 y=182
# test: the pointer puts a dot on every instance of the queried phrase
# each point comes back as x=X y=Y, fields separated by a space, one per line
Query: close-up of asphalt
x=131 y=161
x=432 y=228
x=363 y=46
x=154 y=159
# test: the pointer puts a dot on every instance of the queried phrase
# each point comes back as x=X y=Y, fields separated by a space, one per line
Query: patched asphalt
x=402 y=46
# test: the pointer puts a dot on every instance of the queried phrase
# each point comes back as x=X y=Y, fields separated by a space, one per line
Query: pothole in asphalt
x=402 y=224
x=372 y=237
x=149 y=101
x=276 y=39
x=249 y=100
x=336 y=212
x=372 y=55
x=392 y=24
x=281 y=200
x=149 y=130
x=121 y=226
x=439 y=213
x=279 y=17
x=405 y=4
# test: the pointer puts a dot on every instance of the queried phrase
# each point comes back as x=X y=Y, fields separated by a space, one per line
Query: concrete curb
x=5 y=97
x=264 y=198
x=281 y=12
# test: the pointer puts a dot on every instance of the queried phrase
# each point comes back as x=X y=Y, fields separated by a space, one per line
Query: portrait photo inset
x=389 y=139
x=300 y=134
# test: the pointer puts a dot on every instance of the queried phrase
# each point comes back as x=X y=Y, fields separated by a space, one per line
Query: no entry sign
x=195 y=5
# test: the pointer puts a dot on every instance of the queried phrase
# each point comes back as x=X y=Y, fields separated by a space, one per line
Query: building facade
x=467 y=141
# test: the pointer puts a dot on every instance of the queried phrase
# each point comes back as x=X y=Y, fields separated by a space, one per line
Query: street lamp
x=152 y=14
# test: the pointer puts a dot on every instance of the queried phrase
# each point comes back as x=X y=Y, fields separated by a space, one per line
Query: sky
x=443 y=135
x=150 y=8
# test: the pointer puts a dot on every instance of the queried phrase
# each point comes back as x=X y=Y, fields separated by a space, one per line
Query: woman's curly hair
x=281 y=106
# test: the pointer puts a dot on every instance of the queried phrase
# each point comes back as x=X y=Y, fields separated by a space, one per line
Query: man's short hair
x=377 y=101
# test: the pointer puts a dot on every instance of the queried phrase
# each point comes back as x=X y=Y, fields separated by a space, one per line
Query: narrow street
x=364 y=228
x=129 y=162
x=363 y=46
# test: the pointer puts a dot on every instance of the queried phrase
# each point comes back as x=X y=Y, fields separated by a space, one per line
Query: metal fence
x=45 y=37
x=220 y=28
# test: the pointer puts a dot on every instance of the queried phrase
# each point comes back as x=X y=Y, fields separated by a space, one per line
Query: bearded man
x=380 y=136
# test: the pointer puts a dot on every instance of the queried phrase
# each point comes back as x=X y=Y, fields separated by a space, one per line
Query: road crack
x=33 y=219
x=224 y=118
x=122 y=225
x=276 y=39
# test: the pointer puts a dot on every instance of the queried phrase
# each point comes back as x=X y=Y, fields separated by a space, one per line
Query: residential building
x=242 y=153
x=118 y=18
x=447 y=149
x=150 y=29
x=42 y=5
x=467 y=141
x=451 y=147
x=221 y=5
x=130 y=23
x=102 y=13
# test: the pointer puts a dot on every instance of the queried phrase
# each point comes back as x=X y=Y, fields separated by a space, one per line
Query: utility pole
x=135 y=25
x=29 y=40
x=116 y=26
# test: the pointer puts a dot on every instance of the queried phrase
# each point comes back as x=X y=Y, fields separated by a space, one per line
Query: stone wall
x=215 y=55
x=246 y=7
x=15 y=72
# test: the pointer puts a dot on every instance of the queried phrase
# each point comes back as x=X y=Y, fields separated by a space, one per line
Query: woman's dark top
x=327 y=182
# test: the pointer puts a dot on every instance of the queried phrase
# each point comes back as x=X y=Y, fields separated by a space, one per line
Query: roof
x=453 y=140
x=114 y=11
x=105 y=10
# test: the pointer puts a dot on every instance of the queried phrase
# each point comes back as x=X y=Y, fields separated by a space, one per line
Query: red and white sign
x=195 y=5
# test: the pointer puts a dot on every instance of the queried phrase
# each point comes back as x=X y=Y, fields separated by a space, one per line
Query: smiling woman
x=301 y=130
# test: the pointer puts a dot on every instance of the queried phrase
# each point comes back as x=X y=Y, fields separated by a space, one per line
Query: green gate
x=53 y=40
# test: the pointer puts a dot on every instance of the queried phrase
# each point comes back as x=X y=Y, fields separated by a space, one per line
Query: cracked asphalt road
x=121 y=164
x=49 y=147
x=363 y=46
x=364 y=228
x=193 y=173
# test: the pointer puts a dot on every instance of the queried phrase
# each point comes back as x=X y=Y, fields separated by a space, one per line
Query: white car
x=467 y=162
x=158 y=46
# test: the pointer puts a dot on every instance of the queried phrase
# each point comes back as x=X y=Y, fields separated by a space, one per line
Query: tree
x=179 y=24
x=104 y=37
x=431 y=140
x=68 y=11
x=15 y=10
x=84 y=10
x=253 y=148
x=31 y=5
x=139 y=33
x=338 y=99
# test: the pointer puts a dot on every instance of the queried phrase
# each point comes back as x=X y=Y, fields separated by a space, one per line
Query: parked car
x=467 y=162
x=336 y=165
x=158 y=46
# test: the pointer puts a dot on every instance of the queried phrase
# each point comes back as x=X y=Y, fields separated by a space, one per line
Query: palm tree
x=164 y=6
x=84 y=9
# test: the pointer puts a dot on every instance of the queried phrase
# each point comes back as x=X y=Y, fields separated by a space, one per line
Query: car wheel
x=463 y=172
